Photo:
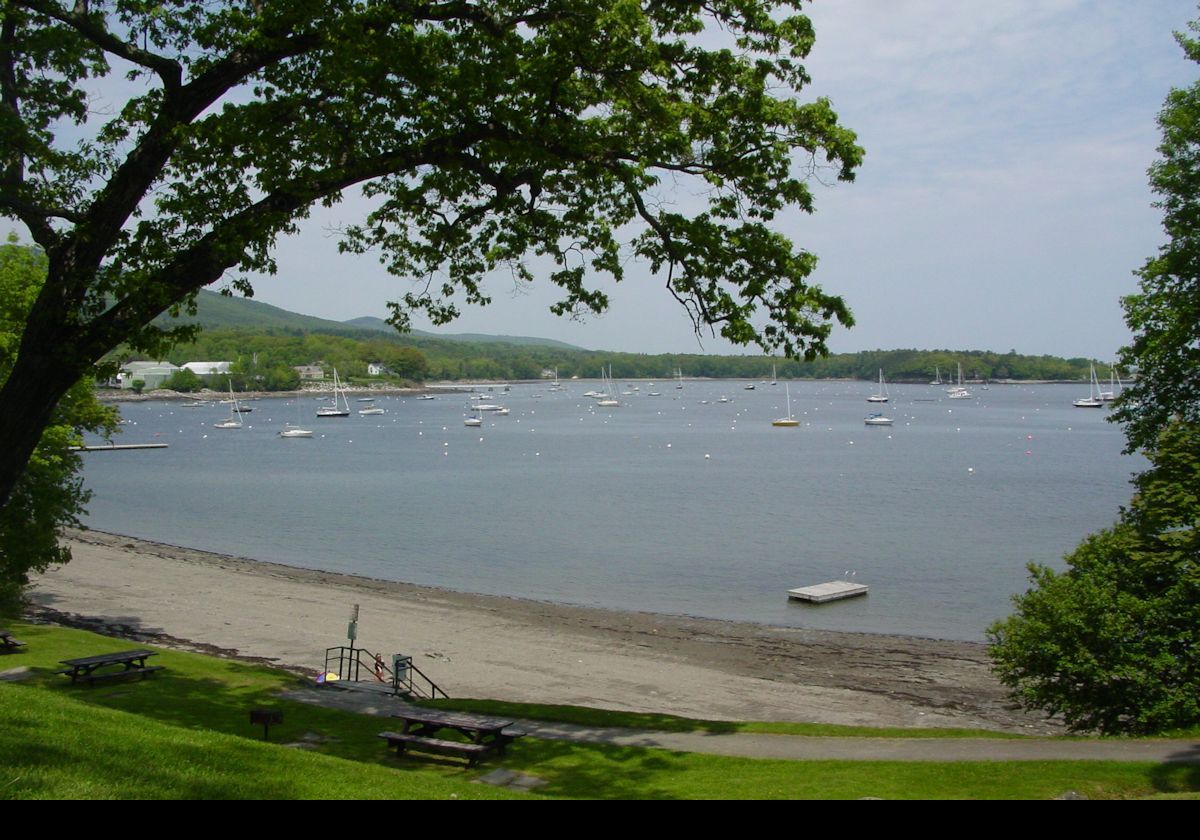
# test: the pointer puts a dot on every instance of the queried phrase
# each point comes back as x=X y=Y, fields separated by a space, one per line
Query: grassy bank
x=185 y=733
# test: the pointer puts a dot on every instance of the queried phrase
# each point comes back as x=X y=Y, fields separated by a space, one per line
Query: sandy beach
x=513 y=649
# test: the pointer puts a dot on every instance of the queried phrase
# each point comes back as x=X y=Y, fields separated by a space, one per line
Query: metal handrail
x=350 y=664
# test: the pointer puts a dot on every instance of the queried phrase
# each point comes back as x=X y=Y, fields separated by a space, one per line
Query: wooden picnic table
x=88 y=668
x=421 y=726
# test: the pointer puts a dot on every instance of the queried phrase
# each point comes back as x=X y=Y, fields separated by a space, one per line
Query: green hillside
x=216 y=311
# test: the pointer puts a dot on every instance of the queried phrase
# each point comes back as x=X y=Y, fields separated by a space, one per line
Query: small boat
x=372 y=410
x=958 y=392
x=881 y=396
x=1094 y=398
x=427 y=397
x=789 y=420
x=476 y=420
x=234 y=421
x=335 y=410
x=294 y=432
x=877 y=419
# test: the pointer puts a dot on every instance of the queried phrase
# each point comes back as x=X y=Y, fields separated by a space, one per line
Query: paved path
x=805 y=748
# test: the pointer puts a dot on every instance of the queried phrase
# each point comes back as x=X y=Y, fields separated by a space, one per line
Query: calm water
x=665 y=504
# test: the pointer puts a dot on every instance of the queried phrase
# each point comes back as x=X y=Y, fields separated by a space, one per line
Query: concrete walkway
x=807 y=748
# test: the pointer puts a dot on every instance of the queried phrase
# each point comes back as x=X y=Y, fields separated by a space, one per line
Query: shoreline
x=524 y=650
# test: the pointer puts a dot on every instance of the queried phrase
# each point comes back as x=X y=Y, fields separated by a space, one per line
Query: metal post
x=352 y=632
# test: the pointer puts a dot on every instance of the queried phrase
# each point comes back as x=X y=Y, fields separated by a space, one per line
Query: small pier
x=834 y=590
x=106 y=447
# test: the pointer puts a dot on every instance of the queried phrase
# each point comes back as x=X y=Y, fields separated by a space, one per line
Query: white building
x=208 y=368
x=152 y=374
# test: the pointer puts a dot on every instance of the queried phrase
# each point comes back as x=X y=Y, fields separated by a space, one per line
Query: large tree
x=1165 y=314
x=50 y=493
x=482 y=131
x=1113 y=643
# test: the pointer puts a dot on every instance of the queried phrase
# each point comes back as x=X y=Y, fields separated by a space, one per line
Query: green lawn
x=185 y=733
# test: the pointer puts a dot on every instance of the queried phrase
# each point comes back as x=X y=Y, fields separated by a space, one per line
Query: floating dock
x=109 y=446
x=834 y=590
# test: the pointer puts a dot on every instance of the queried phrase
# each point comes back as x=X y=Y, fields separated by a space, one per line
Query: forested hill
x=240 y=329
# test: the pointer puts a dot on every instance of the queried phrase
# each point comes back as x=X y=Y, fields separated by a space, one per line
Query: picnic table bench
x=8 y=643
x=89 y=667
x=421 y=726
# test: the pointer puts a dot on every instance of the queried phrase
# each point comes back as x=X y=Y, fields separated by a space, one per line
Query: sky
x=1002 y=204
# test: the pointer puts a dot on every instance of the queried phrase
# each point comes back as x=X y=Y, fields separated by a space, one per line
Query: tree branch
x=86 y=25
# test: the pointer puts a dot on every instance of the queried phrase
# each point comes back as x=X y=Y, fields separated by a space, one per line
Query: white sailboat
x=877 y=419
x=958 y=392
x=335 y=410
x=235 y=419
x=1111 y=393
x=881 y=396
x=788 y=421
x=609 y=400
x=1092 y=400
x=773 y=379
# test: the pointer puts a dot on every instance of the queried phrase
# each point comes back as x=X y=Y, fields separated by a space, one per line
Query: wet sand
x=522 y=650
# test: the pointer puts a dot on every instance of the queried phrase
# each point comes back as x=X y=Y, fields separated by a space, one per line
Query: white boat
x=234 y=421
x=882 y=395
x=503 y=412
x=679 y=379
x=1092 y=400
x=608 y=399
x=476 y=420
x=335 y=410
x=937 y=376
x=773 y=380
x=486 y=407
x=372 y=410
x=427 y=397
x=877 y=419
x=748 y=387
x=958 y=392
x=290 y=430
x=789 y=420
x=1111 y=393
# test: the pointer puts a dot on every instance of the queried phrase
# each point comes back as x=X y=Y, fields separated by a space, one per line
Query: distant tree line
x=264 y=360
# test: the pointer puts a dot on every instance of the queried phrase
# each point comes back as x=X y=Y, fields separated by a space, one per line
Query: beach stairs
x=356 y=669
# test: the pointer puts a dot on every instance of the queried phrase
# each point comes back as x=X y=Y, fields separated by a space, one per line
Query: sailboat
x=773 y=380
x=958 y=392
x=1111 y=393
x=334 y=410
x=788 y=421
x=880 y=396
x=679 y=379
x=608 y=400
x=1092 y=400
x=234 y=421
x=937 y=376
x=294 y=431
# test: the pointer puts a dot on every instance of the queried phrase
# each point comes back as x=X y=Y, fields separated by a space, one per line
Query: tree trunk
x=40 y=377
